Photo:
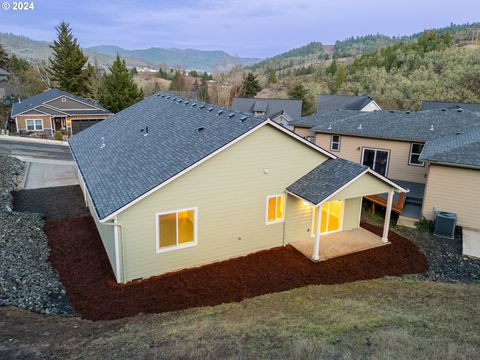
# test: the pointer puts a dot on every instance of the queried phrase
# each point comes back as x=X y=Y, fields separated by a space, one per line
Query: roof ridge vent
x=359 y=127
x=219 y=112
x=231 y=115
x=431 y=128
x=459 y=110
x=186 y=102
x=202 y=106
x=210 y=109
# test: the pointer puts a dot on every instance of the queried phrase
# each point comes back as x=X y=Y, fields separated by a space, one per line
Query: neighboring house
x=329 y=103
x=449 y=105
x=453 y=183
x=56 y=110
x=173 y=183
x=5 y=89
x=282 y=111
x=393 y=144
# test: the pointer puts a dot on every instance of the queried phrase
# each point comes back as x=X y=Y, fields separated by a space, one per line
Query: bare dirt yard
x=390 y=318
x=78 y=256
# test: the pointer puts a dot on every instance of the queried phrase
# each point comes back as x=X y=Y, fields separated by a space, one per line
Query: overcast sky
x=254 y=28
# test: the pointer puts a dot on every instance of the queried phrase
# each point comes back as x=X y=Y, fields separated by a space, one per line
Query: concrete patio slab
x=50 y=174
x=340 y=243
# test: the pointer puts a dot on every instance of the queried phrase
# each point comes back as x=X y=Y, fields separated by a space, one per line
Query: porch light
x=69 y=122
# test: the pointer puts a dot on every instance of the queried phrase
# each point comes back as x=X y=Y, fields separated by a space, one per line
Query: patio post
x=388 y=212
x=316 y=243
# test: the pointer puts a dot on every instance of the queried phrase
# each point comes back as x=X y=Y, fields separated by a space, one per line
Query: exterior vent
x=445 y=224
x=329 y=127
x=201 y=106
x=168 y=97
x=359 y=127
x=186 y=102
x=173 y=98
x=209 y=109
x=180 y=101
x=219 y=112
x=231 y=115
x=200 y=129
x=243 y=118
x=407 y=112
x=443 y=109
x=194 y=104
x=392 y=111
x=431 y=128
x=459 y=110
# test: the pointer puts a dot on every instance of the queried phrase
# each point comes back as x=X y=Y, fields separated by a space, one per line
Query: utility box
x=445 y=224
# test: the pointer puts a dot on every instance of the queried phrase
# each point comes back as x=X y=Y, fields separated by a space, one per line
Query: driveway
x=44 y=173
x=26 y=150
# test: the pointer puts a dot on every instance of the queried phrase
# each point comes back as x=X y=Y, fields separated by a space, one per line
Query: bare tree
x=41 y=69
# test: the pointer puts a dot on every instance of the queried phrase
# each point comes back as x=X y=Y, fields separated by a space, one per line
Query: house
x=329 y=103
x=5 y=89
x=56 y=111
x=433 y=153
x=173 y=183
x=282 y=111
x=453 y=182
x=450 y=105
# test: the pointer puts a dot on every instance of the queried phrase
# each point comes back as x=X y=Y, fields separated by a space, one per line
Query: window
x=331 y=217
x=34 y=124
x=310 y=138
x=415 y=151
x=335 y=143
x=376 y=159
x=275 y=209
x=176 y=229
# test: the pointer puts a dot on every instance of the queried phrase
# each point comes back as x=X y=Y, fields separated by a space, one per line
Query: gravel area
x=26 y=278
x=446 y=262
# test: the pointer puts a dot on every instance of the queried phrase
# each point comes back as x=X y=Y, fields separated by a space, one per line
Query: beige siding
x=304 y=132
x=398 y=167
x=230 y=192
x=107 y=232
x=367 y=184
x=456 y=190
x=22 y=125
x=298 y=219
x=351 y=214
x=372 y=106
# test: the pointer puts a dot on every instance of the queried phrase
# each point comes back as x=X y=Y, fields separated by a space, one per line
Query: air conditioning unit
x=445 y=224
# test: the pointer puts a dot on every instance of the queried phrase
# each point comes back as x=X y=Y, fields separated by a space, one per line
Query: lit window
x=415 y=151
x=176 y=229
x=34 y=124
x=331 y=217
x=335 y=143
x=275 y=209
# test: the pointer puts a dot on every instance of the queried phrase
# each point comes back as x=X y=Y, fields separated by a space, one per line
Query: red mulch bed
x=79 y=257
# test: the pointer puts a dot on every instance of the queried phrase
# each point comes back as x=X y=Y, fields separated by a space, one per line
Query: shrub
x=58 y=136
x=424 y=225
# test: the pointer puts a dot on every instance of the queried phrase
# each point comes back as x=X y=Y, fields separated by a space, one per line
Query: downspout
x=119 y=253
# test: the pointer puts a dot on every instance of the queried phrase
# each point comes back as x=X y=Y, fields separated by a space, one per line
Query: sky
x=247 y=28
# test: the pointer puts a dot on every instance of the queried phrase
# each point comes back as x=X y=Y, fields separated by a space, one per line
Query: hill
x=104 y=55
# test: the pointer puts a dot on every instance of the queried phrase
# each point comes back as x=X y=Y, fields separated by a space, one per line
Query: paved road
x=34 y=150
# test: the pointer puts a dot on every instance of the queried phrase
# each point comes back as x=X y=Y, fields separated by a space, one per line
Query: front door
x=376 y=159
x=58 y=124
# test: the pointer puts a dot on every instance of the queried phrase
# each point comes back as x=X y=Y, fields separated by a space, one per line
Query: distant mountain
x=183 y=58
x=104 y=55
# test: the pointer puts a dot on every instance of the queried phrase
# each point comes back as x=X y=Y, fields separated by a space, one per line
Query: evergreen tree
x=202 y=93
x=3 y=57
x=177 y=83
x=68 y=67
x=119 y=89
x=272 y=77
x=332 y=68
x=341 y=76
x=299 y=92
x=251 y=86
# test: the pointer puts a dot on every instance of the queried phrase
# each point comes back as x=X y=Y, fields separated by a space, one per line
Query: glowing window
x=176 y=229
x=331 y=217
x=275 y=209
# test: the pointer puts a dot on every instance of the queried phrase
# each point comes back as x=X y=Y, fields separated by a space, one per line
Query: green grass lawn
x=392 y=318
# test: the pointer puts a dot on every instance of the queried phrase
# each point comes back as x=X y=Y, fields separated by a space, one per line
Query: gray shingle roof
x=318 y=119
x=415 y=126
x=34 y=101
x=430 y=105
x=4 y=72
x=180 y=133
x=462 y=148
x=271 y=106
x=325 y=179
x=328 y=103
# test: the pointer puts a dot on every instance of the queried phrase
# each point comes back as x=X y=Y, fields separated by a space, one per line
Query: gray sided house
x=56 y=111
x=174 y=183
x=449 y=105
x=281 y=111
x=329 y=103
x=433 y=153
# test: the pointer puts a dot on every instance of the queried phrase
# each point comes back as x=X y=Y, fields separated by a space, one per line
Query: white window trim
x=34 y=124
x=336 y=142
x=160 y=250
x=375 y=157
x=421 y=164
x=266 y=210
x=340 y=228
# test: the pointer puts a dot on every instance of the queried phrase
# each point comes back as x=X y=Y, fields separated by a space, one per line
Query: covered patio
x=331 y=195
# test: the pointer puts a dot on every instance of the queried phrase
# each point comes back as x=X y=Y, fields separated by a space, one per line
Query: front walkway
x=340 y=243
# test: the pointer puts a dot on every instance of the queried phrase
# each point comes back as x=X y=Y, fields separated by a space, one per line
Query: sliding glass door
x=376 y=159
x=332 y=213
